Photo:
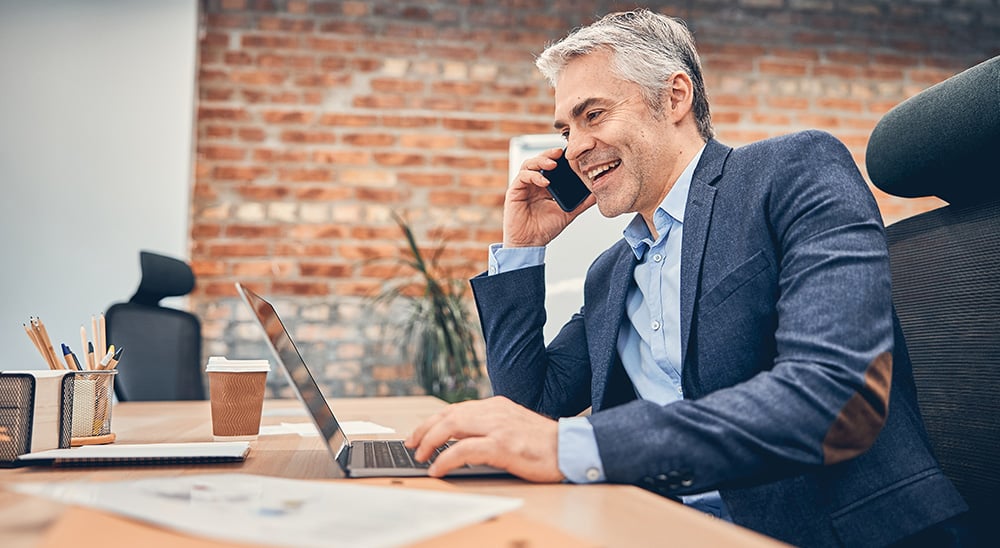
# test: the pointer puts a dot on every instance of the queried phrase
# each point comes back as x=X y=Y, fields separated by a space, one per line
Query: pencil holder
x=92 y=394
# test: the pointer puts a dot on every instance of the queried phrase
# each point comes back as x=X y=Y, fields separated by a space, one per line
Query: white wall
x=570 y=254
x=96 y=115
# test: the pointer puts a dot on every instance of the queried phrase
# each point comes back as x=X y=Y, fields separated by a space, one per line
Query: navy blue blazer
x=800 y=405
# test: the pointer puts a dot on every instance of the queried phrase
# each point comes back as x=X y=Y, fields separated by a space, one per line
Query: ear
x=679 y=96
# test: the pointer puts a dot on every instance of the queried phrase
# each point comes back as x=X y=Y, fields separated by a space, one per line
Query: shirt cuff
x=579 y=459
x=513 y=258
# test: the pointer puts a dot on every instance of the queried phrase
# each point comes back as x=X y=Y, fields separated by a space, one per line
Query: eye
x=594 y=114
x=565 y=135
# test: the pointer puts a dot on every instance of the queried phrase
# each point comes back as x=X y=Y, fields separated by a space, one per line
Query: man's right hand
x=530 y=216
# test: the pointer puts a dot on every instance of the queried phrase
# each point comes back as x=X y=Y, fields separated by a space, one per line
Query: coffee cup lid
x=220 y=364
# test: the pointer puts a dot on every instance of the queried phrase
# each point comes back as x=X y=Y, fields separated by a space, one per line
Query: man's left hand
x=496 y=432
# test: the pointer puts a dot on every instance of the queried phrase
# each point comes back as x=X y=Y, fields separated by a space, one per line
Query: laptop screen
x=295 y=369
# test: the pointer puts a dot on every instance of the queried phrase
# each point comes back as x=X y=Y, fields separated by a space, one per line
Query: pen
x=67 y=353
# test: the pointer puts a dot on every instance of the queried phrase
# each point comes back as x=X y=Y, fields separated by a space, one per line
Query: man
x=738 y=346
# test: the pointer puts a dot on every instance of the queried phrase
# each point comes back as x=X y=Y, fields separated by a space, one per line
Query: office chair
x=945 y=141
x=162 y=356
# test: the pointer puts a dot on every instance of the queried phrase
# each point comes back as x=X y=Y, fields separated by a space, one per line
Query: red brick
x=345 y=157
x=326 y=270
x=428 y=141
x=782 y=68
x=460 y=162
x=292 y=136
x=318 y=232
x=237 y=250
x=369 y=139
x=271 y=155
x=390 y=85
x=304 y=175
x=262 y=193
x=222 y=153
x=203 y=269
x=449 y=198
x=468 y=124
x=253 y=231
x=408 y=121
x=427 y=179
x=323 y=194
x=350 y=120
x=398 y=159
x=299 y=288
x=299 y=249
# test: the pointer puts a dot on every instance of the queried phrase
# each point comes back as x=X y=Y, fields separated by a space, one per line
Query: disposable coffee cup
x=236 y=390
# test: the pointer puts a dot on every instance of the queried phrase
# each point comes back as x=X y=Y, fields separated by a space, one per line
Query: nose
x=577 y=145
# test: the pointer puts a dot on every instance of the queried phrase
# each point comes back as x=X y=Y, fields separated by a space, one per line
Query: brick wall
x=318 y=119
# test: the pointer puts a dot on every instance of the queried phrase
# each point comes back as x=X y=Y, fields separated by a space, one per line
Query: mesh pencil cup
x=92 y=395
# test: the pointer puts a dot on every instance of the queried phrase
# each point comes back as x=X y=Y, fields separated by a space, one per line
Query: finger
x=471 y=451
x=545 y=160
x=413 y=440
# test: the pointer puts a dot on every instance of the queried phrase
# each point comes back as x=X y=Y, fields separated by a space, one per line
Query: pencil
x=114 y=360
x=31 y=335
x=105 y=361
x=46 y=342
x=95 y=339
x=103 y=347
x=83 y=345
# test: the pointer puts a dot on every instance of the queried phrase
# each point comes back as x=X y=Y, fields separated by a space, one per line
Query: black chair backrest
x=946 y=271
x=162 y=356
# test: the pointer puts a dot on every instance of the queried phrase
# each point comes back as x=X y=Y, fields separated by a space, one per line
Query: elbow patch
x=862 y=417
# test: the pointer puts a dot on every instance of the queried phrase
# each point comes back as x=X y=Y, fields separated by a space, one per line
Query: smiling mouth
x=600 y=171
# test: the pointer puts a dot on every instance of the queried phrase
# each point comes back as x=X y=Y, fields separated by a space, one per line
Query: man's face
x=614 y=142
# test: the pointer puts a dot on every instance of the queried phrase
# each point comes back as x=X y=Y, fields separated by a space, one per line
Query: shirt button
x=655 y=325
x=657 y=258
x=680 y=390
x=593 y=474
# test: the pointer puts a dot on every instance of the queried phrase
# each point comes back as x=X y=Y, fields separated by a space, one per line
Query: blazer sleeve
x=555 y=381
x=820 y=394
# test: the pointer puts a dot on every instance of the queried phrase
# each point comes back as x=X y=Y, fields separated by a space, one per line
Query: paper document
x=200 y=452
x=307 y=429
x=266 y=510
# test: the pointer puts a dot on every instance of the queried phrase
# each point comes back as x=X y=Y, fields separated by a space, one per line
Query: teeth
x=599 y=170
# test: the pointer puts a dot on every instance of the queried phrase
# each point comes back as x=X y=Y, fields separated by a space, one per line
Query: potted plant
x=435 y=328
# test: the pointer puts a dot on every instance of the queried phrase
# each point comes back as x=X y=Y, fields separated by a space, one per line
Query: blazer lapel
x=697 y=219
x=603 y=341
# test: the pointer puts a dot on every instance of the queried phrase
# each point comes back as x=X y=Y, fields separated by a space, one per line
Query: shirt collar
x=671 y=210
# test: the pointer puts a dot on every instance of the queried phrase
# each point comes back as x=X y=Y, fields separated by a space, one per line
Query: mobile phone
x=565 y=185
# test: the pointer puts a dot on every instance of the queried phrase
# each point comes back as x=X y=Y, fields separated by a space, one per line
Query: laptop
x=355 y=459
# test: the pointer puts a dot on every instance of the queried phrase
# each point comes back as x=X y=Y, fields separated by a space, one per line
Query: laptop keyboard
x=393 y=454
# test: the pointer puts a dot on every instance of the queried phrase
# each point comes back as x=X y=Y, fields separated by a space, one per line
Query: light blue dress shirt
x=649 y=344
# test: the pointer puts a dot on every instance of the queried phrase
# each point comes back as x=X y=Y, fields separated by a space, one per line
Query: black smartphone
x=565 y=186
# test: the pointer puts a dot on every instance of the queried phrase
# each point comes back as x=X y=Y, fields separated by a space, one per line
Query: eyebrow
x=578 y=110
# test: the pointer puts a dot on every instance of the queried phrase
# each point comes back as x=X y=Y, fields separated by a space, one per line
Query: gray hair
x=646 y=48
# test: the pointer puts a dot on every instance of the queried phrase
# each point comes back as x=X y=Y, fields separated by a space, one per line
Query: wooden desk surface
x=605 y=515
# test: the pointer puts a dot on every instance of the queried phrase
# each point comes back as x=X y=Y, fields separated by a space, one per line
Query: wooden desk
x=605 y=515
